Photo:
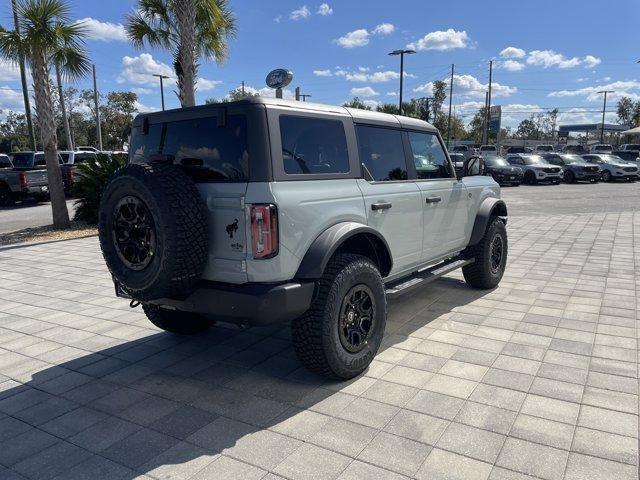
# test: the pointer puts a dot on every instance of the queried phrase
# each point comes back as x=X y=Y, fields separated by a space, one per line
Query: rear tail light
x=23 y=180
x=264 y=230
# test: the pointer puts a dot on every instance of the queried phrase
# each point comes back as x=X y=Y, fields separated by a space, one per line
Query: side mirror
x=473 y=166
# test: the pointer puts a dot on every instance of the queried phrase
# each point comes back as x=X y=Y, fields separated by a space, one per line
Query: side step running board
x=418 y=279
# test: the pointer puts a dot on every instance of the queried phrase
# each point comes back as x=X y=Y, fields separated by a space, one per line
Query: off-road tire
x=175 y=321
x=315 y=335
x=180 y=227
x=7 y=198
x=530 y=178
x=479 y=274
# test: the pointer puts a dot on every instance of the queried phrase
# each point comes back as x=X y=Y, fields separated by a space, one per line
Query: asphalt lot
x=537 y=379
x=27 y=214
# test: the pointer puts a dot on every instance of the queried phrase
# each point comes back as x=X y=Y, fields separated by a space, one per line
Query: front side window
x=382 y=154
x=428 y=156
x=313 y=145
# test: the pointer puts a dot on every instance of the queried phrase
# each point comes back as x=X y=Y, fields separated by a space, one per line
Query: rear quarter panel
x=305 y=210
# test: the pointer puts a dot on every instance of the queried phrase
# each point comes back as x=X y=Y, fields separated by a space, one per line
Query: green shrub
x=91 y=178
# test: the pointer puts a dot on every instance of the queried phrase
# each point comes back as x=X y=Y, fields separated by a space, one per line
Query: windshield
x=612 y=159
x=572 y=159
x=534 y=160
x=488 y=149
x=545 y=148
x=496 y=162
x=23 y=159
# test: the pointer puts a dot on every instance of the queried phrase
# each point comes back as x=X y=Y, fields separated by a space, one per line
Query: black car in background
x=501 y=171
x=575 y=167
x=458 y=162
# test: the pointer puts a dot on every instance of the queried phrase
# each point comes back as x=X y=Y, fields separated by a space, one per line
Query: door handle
x=433 y=199
x=380 y=206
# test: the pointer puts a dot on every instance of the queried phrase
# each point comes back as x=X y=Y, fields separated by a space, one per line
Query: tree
x=190 y=29
x=117 y=115
x=237 y=93
x=47 y=37
x=14 y=133
x=527 y=129
x=356 y=103
x=476 y=126
x=628 y=112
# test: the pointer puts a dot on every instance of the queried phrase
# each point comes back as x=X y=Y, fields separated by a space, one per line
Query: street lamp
x=604 y=109
x=402 y=53
x=161 y=77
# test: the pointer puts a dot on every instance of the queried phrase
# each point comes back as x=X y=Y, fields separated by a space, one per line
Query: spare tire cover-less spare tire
x=153 y=231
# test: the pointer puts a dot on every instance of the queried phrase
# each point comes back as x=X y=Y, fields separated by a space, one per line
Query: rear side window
x=313 y=145
x=4 y=161
x=144 y=144
x=428 y=156
x=382 y=154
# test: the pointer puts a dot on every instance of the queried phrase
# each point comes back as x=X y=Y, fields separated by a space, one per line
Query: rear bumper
x=248 y=304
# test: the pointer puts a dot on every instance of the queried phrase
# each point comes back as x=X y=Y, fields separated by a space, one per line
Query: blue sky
x=546 y=54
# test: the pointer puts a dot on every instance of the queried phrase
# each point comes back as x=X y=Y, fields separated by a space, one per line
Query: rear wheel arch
x=342 y=238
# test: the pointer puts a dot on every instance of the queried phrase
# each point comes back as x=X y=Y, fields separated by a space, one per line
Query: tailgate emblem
x=232 y=228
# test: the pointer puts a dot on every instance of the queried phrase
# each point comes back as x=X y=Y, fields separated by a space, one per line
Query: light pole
x=162 y=77
x=402 y=53
x=604 y=109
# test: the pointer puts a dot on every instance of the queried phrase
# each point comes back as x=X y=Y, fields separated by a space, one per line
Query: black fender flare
x=364 y=239
x=488 y=208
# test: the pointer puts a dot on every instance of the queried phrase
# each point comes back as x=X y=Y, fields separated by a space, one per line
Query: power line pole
x=450 y=104
x=488 y=103
x=95 y=102
x=23 y=79
x=604 y=109
x=65 y=119
x=161 y=77
x=243 y=88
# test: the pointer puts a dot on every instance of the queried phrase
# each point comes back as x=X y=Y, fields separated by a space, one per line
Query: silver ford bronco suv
x=264 y=211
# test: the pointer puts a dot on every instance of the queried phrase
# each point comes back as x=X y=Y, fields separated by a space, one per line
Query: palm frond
x=140 y=30
x=11 y=46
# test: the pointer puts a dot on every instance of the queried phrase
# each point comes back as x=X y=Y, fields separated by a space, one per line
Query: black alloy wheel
x=357 y=318
x=496 y=253
x=134 y=233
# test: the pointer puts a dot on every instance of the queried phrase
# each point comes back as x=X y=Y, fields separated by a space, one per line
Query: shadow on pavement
x=168 y=405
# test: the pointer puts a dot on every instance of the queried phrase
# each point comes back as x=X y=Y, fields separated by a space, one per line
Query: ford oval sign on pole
x=279 y=78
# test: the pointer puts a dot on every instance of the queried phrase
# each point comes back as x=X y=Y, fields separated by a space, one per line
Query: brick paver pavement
x=537 y=379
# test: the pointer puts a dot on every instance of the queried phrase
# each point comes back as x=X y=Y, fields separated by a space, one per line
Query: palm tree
x=47 y=37
x=189 y=29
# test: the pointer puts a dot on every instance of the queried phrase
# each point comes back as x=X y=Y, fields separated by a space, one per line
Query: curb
x=44 y=242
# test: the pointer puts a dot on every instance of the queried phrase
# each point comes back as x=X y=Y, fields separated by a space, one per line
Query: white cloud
x=442 y=40
x=205 y=85
x=371 y=103
x=141 y=90
x=300 y=14
x=364 y=92
x=8 y=71
x=278 y=19
x=323 y=73
x=357 y=38
x=590 y=61
x=513 y=52
x=11 y=99
x=357 y=77
x=325 y=9
x=363 y=69
x=511 y=65
x=384 y=29
x=267 y=92
x=339 y=72
x=470 y=86
x=103 y=31
x=549 y=58
x=629 y=88
x=139 y=70
x=387 y=76
x=392 y=94
x=144 y=108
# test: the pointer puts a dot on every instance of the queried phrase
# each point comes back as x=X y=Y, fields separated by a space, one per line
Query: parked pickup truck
x=70 y=160
x=28 y=178
x=629 y=152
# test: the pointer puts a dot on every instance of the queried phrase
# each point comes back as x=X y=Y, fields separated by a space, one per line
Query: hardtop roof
x=358 y=115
